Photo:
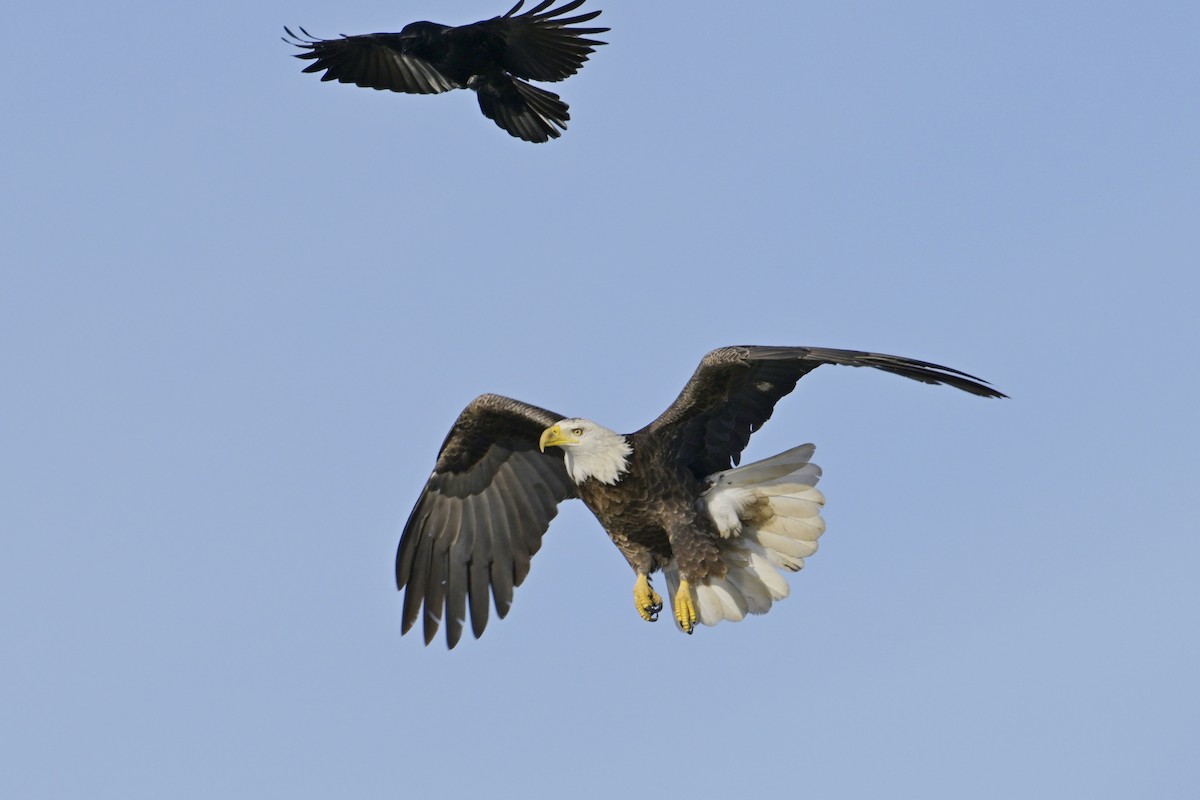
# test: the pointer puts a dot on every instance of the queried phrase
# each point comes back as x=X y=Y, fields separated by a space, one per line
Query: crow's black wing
x=371 y=60
x=540 y=45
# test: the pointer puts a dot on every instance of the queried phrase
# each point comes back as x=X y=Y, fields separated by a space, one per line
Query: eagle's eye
x=577 y=431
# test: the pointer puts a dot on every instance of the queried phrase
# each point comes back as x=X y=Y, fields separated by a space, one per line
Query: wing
x=540 y=46
x=735 y=389
x=481 y=517
x=372 y=60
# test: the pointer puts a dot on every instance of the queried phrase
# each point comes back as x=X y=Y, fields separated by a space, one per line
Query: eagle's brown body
x=651 y=515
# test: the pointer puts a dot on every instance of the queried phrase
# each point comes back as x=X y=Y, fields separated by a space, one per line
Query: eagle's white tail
x=769 y=514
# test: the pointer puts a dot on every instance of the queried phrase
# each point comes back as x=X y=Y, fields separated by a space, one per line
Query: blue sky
x=240 y=309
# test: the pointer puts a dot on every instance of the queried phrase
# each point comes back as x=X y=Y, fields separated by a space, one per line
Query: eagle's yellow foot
x=685 y=608
x=646 y=600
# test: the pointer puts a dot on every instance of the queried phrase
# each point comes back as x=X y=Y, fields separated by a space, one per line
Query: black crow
x=490 y=57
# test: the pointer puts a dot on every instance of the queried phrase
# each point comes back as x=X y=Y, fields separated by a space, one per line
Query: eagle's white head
x=590 y=450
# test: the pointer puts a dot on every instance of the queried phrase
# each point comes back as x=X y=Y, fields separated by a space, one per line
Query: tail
x=768 y=514
x=524 y=110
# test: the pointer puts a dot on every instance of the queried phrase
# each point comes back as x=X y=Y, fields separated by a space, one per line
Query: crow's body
x=495 y=58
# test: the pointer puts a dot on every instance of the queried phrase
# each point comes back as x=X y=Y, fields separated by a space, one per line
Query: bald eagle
x=491 y=57
x=671 y=496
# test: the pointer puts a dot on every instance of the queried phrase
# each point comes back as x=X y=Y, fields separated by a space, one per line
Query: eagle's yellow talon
x=646 y=600
x=685 y=609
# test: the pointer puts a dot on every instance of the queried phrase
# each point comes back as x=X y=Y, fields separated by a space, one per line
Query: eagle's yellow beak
x=554 y=436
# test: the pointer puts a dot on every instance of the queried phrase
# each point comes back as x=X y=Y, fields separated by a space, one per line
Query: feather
x=808 y=530
x=794 y=507
x=785 y=545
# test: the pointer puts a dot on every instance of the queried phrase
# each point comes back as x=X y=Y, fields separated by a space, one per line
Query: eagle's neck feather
x=605 y=457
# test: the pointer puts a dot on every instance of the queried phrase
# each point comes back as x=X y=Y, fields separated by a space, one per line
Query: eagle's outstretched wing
x=481 y=516
x=735 y=389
